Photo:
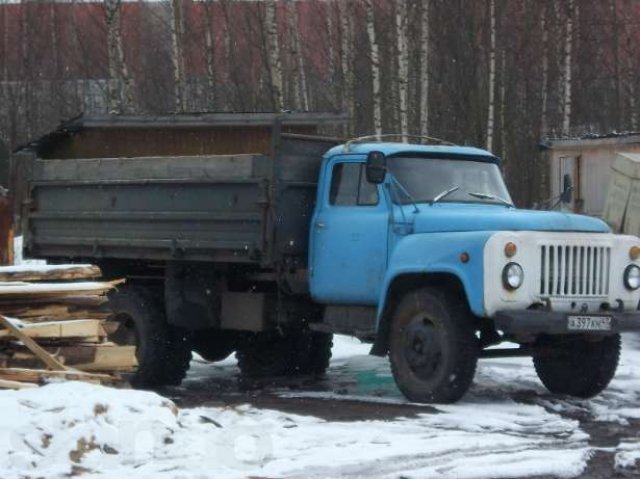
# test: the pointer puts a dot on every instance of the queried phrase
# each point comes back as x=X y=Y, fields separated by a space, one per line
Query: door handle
x=320 y=225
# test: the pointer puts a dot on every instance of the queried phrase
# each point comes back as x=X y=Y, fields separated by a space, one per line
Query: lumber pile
x=53 y=325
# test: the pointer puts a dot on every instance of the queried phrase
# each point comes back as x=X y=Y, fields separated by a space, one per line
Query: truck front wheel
x=433 y=347
x=163 y=352
x=575 y=365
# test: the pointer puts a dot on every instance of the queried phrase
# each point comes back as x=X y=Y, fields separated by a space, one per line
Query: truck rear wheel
x=433 y=348
x=575 y=365
x=295 y=353
x=163 y=352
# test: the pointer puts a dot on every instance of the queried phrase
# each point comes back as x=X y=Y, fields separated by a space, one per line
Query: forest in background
x=498 y=74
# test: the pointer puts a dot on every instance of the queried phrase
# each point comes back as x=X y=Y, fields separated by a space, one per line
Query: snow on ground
x=19 y=259
x=79 y=429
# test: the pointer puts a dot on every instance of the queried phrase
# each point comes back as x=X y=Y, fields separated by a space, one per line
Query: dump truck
x=253 y=234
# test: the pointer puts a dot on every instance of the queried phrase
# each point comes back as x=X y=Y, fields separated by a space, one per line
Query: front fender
x=440 y=253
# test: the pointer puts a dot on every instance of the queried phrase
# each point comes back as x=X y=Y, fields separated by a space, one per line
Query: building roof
x=592 y=140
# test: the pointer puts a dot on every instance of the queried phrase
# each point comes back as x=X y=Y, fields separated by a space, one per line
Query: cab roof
x=391 y=149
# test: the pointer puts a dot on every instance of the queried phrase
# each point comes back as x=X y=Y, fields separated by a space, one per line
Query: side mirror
x=567 y=189
x=376 y=167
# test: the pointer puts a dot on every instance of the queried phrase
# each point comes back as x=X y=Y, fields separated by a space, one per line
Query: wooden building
x=588 y=162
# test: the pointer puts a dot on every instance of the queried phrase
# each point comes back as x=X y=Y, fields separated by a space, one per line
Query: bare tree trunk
x=210 y=57
x=273 y=55
x=503 y=104
x=375 y=68
x=631 y=93
x=335 y=93
x=403 y=66
x=346 y=60
x=617 y=77
x=5 y=45
x=177 y=55
x=75 y=40
x=25 y=51
x=119 y=91
x=424 y=68
x=492 y=76
x=54 y=42
x=301 y=96
x=568 y=44
x=544 y=94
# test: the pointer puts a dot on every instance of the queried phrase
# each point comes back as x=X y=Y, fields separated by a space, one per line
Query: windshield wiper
x=447 y=192
x=488 y=196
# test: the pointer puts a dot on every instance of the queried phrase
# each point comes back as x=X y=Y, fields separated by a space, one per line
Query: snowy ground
x=354 y=424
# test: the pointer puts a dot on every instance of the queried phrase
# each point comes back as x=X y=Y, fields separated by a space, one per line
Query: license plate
x=587 y=323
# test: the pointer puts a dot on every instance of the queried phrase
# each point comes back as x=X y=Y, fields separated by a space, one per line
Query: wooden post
x=6 y=229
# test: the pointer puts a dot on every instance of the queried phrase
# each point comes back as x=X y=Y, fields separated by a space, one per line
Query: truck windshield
x=426 y=178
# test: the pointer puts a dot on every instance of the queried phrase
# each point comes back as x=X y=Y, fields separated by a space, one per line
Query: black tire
x=163 y=351
x=312 y=353
x=294 y=353
x=433 y=346
x=575 y=365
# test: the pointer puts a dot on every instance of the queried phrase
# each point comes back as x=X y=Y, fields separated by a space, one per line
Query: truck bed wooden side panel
x=159 y=208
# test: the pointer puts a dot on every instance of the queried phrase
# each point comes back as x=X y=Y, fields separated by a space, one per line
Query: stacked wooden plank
x=54 y=325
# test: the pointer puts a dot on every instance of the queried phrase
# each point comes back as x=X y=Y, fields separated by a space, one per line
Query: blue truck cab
x=420 y=249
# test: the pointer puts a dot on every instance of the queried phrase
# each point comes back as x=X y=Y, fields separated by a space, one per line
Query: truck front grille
x=572 y=270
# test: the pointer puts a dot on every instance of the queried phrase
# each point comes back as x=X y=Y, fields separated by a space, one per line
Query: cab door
x=349 y=235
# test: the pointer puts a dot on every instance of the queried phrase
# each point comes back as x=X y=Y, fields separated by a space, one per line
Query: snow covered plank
x=13 y=385
x=87 y=329
x=31 y=273
x=43 y=290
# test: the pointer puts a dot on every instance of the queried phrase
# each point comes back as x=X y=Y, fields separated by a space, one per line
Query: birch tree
x=375 y=68
x=119 y=89
x=424 y=68
x=346 y=61
x=544 y=84
x=177 y=54
x=301 y=95
x=503 y=104
x=273 y=55
x=492 y=75
x=210 y=54
x=568 y=44
x=615 y=47
x=402 y=52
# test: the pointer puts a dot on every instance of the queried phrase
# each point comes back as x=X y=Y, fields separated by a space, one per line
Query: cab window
x=349 y=186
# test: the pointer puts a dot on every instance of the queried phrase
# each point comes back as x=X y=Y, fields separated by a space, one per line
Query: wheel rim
x=423 y=348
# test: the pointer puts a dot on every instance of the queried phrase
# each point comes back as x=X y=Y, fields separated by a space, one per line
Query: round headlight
x=632 y=277
x=512 y=276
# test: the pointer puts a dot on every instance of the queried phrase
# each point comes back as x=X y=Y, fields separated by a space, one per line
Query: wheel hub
x=423 y=348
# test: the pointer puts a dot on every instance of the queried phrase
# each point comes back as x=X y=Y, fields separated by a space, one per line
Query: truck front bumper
x=558 y=323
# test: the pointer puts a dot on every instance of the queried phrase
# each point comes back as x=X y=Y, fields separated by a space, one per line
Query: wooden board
x=36 y=349
x=39 y=376
x=60 y=330
x=15 y=290
x=100 y=357
x=12 y=384
x=49 y=273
